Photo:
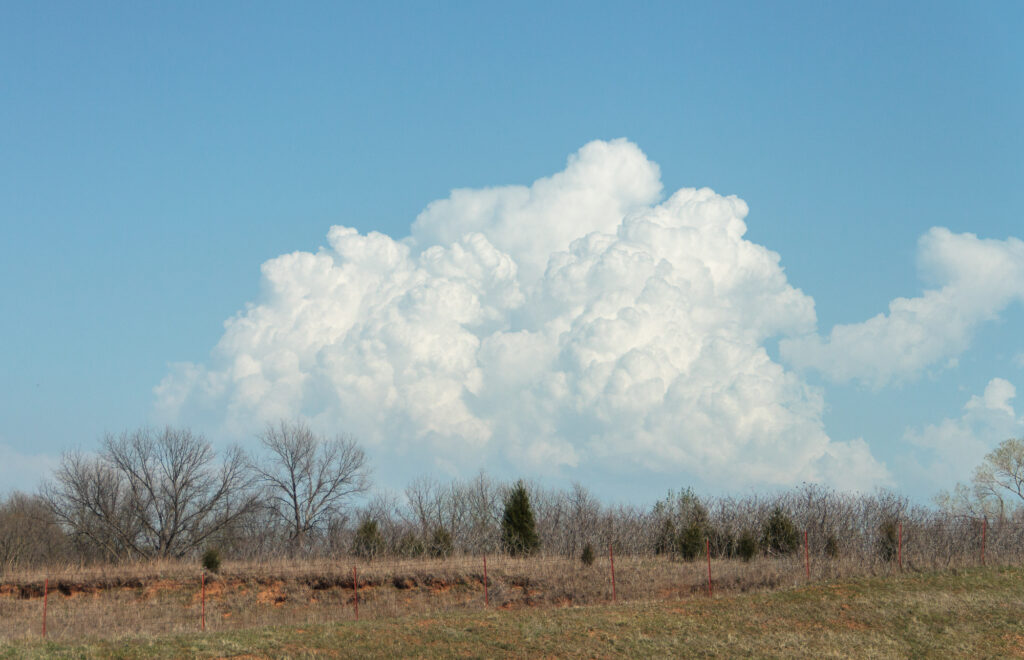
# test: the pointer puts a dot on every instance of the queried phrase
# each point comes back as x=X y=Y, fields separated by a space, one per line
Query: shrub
x=211 y=560
x=367 y=542
x=747 y=545
x=666 y=542
x=888 y=540
x=409 y=546
x=441 y=543
x=518 y=529
x=779 y=535
x=588 y=555
x=831 y=547
x=723 y=543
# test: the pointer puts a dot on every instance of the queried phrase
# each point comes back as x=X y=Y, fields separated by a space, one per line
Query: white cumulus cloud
x=948 y=451
x=579 y=321
x=976 y=280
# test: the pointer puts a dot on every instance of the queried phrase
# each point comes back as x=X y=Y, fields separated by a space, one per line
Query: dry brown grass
x=955 y=613
x=161 y=598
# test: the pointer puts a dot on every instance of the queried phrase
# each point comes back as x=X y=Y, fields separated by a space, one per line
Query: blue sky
x=153 y=157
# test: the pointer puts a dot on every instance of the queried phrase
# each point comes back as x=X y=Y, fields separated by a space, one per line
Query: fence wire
x=116 y=602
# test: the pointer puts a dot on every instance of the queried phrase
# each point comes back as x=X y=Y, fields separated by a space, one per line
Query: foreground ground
x=976 y=612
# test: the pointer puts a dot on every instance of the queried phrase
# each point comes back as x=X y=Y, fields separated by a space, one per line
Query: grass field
x=974 y=612
x=152 y=599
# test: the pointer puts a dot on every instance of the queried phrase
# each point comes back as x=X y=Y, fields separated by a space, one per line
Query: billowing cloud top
x=947 y=452
x=977 y=278
x=576 y=321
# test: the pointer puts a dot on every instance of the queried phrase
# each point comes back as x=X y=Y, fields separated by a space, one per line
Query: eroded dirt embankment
x=279 y=589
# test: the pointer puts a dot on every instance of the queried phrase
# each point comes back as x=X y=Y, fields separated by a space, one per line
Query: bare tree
x=29 y=535
x=1000 y=473
x=309 y=478
x=90 y=500
x=583 y=520
x=484 y=506
x=150 y=494
x=974 y=501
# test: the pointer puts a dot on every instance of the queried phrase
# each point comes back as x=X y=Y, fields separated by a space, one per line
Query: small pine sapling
x=211 y=560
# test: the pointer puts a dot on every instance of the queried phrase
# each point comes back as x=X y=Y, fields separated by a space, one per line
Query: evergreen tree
x=694 y=524
x=747 y=546
x=441 y=543
x=691 y=541
x=779 y=535
x=409 y=546
x=368 y=542
x=518 y=533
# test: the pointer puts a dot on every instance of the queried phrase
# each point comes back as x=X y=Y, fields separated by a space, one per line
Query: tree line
x=149 y=494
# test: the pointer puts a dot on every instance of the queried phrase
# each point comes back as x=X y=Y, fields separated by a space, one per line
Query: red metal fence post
x=46 y=588
x=807 y=557
x=487 y=600
x=611 y=558
x=707 y=543
x=202 y=616
x=355 y=589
